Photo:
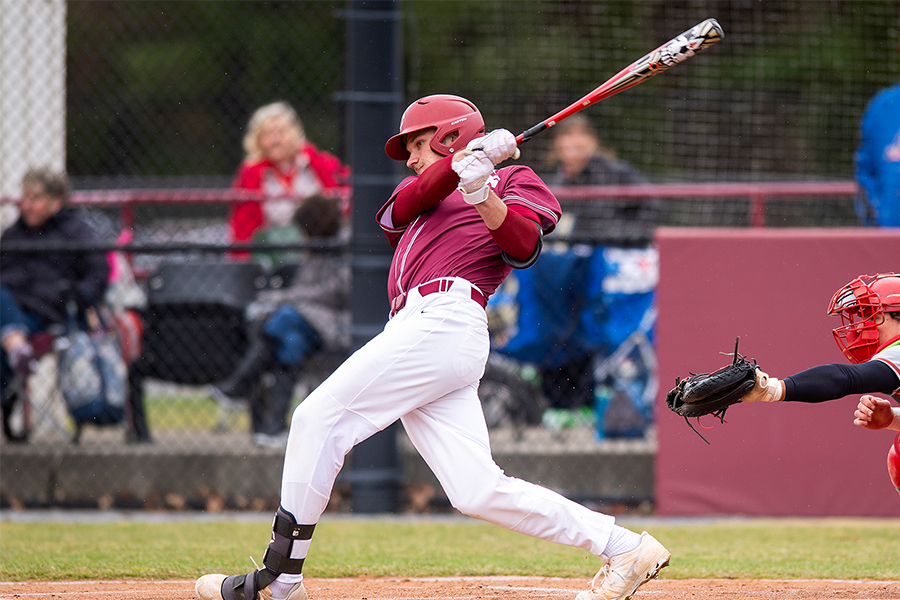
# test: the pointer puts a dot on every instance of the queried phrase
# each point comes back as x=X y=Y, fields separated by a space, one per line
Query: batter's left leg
x=399 y=370
x=276 y=561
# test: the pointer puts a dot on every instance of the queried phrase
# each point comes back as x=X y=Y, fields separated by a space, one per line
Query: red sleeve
x=249 y=176
x=246 y=216
x=327 y=167
x=518 y=234
x=436 y=183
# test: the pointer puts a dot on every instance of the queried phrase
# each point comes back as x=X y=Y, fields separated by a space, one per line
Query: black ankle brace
x=276 y=560
x=284 y=532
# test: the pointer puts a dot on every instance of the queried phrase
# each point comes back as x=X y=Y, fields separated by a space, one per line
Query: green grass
x=789 y=549
x=179 y=413
x=169 y=412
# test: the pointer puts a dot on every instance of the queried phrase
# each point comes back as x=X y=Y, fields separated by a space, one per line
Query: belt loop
x=444 y=285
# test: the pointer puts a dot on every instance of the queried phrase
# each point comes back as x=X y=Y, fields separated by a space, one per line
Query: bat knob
x=517 y=154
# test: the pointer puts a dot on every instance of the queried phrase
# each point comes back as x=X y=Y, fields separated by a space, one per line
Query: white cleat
x=624 y=573
x=209 y=587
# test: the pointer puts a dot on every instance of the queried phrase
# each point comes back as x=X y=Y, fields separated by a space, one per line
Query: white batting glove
x=474 y=170
x=767 y=389
x=499 y=145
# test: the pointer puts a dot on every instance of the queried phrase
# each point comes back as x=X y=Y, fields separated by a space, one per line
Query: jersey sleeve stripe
x=547 y=212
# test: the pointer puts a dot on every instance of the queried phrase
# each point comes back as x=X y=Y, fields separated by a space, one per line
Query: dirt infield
x=472 y=588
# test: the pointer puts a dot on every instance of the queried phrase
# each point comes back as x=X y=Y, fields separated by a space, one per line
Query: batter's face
x=421 y=156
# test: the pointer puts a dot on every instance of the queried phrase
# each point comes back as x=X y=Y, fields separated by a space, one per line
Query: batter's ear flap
x=524 y=264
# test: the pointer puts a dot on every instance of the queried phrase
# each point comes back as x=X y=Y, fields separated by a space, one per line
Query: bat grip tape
x=533 y=131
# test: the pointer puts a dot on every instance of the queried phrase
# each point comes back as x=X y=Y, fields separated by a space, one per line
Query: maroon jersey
x=452 y=240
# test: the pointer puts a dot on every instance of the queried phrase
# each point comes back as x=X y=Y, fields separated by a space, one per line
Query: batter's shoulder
x=520 y=184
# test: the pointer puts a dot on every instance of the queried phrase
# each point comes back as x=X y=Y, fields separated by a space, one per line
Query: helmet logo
x=459 y=121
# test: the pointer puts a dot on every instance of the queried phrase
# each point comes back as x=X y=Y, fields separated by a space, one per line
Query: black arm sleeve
x=829 y=382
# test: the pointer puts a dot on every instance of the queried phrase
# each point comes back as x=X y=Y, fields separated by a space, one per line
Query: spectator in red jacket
x=286 y=167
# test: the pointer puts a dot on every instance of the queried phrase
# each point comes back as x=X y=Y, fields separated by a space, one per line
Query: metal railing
x=757 y=193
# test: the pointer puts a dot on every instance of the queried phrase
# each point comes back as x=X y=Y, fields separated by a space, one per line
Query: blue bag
x=92 y=375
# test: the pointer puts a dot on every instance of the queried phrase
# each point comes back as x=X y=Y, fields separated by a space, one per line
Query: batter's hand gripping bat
x=700 y=36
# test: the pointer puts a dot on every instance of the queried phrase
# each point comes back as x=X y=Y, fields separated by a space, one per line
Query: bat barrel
x=715 y=28
x=697 y=38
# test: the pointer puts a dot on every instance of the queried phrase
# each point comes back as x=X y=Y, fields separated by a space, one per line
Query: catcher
x=869 y=307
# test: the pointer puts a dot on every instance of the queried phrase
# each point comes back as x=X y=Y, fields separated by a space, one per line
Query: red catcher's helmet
x=449 y=114
x=861 y=305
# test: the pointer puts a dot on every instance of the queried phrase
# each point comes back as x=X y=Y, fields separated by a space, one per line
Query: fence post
x=757 y=209
x=373 y=105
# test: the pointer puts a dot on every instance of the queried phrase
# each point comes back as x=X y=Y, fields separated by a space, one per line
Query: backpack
x=92 y=375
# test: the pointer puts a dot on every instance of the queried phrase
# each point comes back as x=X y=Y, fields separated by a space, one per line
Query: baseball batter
x=458 y=227
x=869 y=307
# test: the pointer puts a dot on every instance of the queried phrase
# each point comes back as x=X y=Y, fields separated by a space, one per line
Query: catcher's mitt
x=712 y=393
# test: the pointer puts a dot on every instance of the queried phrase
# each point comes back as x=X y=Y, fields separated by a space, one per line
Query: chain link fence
x=148 y=110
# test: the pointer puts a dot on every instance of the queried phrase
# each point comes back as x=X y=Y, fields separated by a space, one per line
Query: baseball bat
x=678 y=49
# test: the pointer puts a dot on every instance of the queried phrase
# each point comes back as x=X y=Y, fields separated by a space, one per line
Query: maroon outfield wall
x=771 y=287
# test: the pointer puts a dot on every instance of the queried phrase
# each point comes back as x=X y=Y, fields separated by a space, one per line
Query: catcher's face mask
x=861 y=304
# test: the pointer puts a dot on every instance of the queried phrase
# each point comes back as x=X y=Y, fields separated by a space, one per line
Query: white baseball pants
x=424 y=369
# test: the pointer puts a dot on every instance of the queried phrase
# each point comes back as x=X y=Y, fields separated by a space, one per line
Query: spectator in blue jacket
x=878 y=161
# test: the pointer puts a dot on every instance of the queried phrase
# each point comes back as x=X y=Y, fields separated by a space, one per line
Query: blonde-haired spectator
x=285 y=166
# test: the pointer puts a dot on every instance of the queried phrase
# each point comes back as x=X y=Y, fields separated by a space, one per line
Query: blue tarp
x=577 y=301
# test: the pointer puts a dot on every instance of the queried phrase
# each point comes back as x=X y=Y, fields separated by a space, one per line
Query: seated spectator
x=287 y=168
x=289 y=324
x=582 y=160
x=622 y=229
x=35 y=286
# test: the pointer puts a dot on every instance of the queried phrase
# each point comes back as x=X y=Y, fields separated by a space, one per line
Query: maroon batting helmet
x=448 y=113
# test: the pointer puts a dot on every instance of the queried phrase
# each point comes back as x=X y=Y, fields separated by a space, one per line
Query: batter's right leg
x=452 y=437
